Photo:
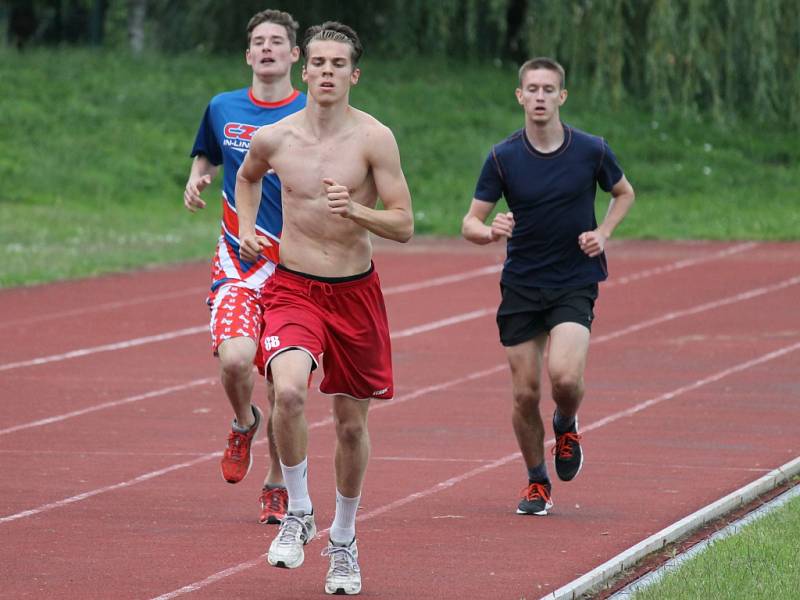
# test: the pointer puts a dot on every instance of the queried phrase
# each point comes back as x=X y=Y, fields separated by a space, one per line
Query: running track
x=112 y=422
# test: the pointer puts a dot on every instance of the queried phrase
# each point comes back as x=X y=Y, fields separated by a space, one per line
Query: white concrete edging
x=674 y=532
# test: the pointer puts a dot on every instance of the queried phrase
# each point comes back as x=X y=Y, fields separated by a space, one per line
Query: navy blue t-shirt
x=552 y=197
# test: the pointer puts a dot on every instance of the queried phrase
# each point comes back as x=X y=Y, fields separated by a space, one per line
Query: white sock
x=343 y=529
x=296 y=480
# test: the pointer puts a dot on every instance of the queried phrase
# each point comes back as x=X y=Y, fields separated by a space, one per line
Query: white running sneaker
x=286 y=550
x=344 y=574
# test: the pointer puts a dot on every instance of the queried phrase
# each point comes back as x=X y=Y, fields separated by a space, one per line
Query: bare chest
x=303 y=164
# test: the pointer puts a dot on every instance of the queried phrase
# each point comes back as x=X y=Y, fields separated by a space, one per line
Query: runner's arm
x=474 y=228
x=622 y=196
x=395 y=221
x=200 y=175
x=248 y=198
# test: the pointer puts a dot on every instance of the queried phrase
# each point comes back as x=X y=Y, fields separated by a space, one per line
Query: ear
x=304 y=74
x=562 y=97
x=355 y=75
x=518 y=93
x=295 y=54
x=248 y=58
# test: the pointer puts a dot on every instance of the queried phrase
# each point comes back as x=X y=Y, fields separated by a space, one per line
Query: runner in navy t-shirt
x=224 y=135
x=548 y=173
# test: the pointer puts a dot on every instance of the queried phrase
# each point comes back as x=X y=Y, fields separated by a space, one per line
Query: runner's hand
x=191 y=195
x=502 y=226
x=250 y=247
x=339 y=201
x=592 y=243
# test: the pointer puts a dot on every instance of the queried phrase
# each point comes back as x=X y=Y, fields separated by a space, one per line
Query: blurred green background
x=100 y=101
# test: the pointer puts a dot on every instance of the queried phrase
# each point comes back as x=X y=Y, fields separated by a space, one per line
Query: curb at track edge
x=594 y=579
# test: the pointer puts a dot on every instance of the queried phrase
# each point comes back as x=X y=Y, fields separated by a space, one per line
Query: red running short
x=342 y=319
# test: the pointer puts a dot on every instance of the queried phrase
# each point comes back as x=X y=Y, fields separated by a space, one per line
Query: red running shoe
x=274 y=502
x=237 y=458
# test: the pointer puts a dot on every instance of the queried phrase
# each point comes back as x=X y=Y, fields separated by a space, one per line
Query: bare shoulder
x=269 y=137
x=376 y=135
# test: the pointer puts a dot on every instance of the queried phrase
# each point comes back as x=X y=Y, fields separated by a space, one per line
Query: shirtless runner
x=334 y=162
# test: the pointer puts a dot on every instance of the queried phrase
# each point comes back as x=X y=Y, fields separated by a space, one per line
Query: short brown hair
x=278 y=17
x=333 y=31
x=542 y=62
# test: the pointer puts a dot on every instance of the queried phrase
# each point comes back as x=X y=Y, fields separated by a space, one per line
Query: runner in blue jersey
x=229 y=123
x=548 y=173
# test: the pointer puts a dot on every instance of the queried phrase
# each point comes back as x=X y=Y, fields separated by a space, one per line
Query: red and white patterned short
x=235 y=312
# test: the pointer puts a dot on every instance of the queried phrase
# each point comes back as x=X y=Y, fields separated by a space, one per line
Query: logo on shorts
x=271 y=341
x=378 y=393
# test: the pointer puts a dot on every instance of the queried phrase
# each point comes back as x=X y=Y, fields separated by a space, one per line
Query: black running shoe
x=568 y=453
x=535 y=499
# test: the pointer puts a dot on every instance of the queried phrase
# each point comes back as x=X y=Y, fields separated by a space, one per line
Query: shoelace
x=272 y=497
x=534 y=491
x=236 y=444
x=344 y=561
x=563 y=447
x=293 y=530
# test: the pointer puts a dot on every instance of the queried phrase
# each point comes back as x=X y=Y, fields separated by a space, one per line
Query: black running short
x=525 y=313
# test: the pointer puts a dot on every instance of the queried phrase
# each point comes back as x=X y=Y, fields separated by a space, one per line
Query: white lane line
x=740 y=297
x=103 y=490
x=693 y=386
x=455 y=320
x=320 y=423
x=388 y=291
x=681 y=264
x=161 y=337
x=398 y=289
x=500 y=367
x=448 y=483
x=111 y=404
x=171 y=335
x=105 y=306
x=670 y=316
x=444 y=280
x=671 y=533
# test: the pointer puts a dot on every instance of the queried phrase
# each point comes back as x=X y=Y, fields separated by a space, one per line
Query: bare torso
x=314 y=240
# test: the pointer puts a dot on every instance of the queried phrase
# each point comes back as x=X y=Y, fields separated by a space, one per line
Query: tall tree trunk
x=97 y=22
x=137 y=10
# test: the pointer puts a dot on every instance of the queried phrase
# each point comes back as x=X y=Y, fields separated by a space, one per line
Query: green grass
x=761 y=561
x=94 y=157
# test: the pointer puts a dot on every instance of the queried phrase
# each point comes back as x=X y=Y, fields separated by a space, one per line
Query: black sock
x=561 y=423
x=538 y=474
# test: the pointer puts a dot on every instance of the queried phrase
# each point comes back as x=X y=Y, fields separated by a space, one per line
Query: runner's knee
x=236 y=364
x=567 y=386
x=526 y=399
x=350 y=431
x=290 y=400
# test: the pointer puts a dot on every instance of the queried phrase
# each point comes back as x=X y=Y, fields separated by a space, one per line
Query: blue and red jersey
x=229 y=123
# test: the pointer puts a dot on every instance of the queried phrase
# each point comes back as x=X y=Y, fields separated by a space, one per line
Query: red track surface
x=110 y=486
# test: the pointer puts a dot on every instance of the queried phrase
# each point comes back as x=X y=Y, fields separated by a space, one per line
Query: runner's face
x=329 y=71
x=541 y=95
x=270 y=54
